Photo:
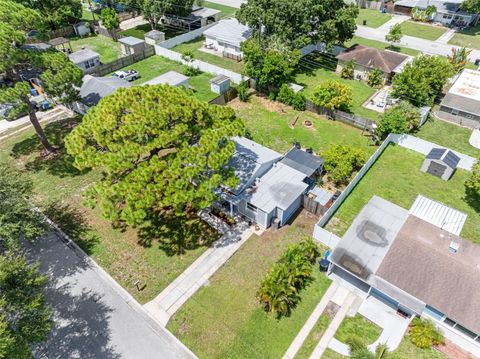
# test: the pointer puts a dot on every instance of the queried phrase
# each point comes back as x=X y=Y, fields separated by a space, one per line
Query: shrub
x=279 y=290
x=341 y=161
x=347 y=70
x=189 y=56
x=424 y=334
x=272 y=95
x=375 y=78
x=289 y=97
x=332 y=95
x=401 y=118
x=242 y=91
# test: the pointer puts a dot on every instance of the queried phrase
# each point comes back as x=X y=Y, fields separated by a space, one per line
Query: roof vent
x=453 y=247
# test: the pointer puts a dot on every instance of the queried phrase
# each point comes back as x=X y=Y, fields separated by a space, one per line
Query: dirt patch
x=452 y=351
x=331 y=309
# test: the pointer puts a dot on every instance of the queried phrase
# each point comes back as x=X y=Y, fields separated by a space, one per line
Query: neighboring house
x=415 y=261
x=86 y=59
x=461 y=104
x=447 y=12
x=131 y=45
x=93 y=89
x=269 y=191
x=367 y=59
x=224 y=39
x=171 y=78
x=200 y=16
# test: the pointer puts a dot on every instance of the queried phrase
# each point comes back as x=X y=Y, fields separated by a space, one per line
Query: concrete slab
x=475 y=138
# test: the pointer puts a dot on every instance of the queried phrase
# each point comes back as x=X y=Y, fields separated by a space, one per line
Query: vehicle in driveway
x=128 y=75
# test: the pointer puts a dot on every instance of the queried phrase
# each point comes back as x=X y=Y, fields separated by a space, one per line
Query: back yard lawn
x=197 y=43
x=269 y=124
x=467 y=38
x=157 y=65
x=224 y=318
x=396 y=177
x=380 y=45
x=226 y=11
x=108 y=49
x=154 y=254
x=374 y=18
x=449 y=135
x=423 y=31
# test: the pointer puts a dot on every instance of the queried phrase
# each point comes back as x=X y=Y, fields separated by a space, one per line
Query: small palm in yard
x=394 y=35
x=424 y=334
x=459 y=58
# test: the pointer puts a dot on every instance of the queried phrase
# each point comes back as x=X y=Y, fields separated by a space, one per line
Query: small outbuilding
x=441 y=163
x=172 y=78
x=154 y=37
x=81 y=28
x=85 y=59
x=220 y=84
x=131 y=45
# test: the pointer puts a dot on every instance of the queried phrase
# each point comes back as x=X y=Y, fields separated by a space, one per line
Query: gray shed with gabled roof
x=440 y=162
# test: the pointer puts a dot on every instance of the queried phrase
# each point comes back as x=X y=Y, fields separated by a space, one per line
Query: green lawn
x=269 y=124
x=108 y=49
x=467 y=38
x=155 y=254
x=224 y=62
x=380 y=45
x=138 y=32
x=87 y=15
x=157 y=65
x=359 y=327
x=396 y=177
x=374 y=18
x=449 y=135
x=224 y=318
x=423 y=31
x=226 y=11
x=313 y=337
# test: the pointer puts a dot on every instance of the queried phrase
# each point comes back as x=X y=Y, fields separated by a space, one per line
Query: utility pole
x=91 y=9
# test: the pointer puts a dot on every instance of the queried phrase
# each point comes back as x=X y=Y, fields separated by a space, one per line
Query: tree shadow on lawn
x=472 y=199
x=74 y=223
x=60 y=164
x=175 y=234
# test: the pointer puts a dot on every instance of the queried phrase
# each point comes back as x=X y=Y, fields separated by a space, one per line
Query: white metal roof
x=438 y=214
x=229 y=31
x=172 y=78
x=467 y=85
x=80 y=56
x=131 y=40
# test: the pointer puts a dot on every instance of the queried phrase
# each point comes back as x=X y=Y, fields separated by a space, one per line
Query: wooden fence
x=224 y=98
x=313 y=206
x=122 y=62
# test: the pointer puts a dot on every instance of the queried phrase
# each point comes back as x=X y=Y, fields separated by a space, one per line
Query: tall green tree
x=56 y=13
x=333 y=95
x=301 y=22
x=111 y=21
x=459 y=58
x=394 y=35
x=58 y=75
x=471 y=6
x=472 y=185
x=155 y=10
x=25 y=317
x=158 y=147
x=422 y=80
x=401 y=118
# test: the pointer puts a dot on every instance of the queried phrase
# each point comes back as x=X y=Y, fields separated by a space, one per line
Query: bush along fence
x=115 y=65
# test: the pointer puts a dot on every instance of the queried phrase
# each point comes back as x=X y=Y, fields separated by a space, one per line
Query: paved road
x=25 y=120
x=94 y=316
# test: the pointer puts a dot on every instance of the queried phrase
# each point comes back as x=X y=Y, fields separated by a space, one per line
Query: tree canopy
x=56 y=13
x=154 y=10
x=110 y=20
x=395 y=34
x=401 y=118
x=342 y=160
x=471 y=6
x=158 y=147
x=301 y=22
x=332 y=95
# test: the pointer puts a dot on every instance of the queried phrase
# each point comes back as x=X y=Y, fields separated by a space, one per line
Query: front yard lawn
x=359 y=327
x=467 y=38
x=380 y=45
x=269 y=123
x=157 y=65
x=108 y=49
x=396 y=177
x=154 y=254
x=313 y=337
x=374 y=18
x=422 y=31
x=224 y=318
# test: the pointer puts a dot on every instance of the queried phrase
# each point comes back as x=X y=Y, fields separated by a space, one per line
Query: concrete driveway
x=94 y=317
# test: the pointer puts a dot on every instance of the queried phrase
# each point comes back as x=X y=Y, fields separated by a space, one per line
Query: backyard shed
x=220 y=84
x=171 y=78
x=131 y=45
x=81 y=28
x=86 y=59
x=441 y=163
x=154 y=37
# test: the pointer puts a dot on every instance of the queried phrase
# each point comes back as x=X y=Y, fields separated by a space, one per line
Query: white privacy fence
x=189 y=36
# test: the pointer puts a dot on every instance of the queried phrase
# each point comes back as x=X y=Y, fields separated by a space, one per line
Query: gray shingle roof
x=155 y=34
x=220 y=79
x=302 y=161
x=80 y=56
x=373 y=58
x=131 y=41
x=94 y=88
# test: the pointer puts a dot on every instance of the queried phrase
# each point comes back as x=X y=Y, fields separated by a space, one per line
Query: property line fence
x=122 y=62
x=189 y=36
x=224 y=98
x=313 y=206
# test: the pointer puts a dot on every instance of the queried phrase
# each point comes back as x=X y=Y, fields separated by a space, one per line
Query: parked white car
x=128 y=75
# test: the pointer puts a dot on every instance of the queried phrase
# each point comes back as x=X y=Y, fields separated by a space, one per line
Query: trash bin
x=477 y=62
x=364 y=22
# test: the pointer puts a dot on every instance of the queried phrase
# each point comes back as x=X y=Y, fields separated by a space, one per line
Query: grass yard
x=269 y=124
x=380 y=45
x=374 y=18
x=310 y=78
x=224 y=318
x=195 y=44
x=396 y=177
x=154 y=254
x=226 y=11
x=467 y=38
x=360 y=327
x=138 y=31
x=313 y=337
x=422 y=31
x=157 y=65
x=449 y=135
x=108 y=49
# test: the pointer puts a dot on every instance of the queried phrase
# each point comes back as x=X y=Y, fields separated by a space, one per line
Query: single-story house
x=93 y=89
x=415 y=262
x=225 y=38
x=441 y=163
x=172 y=78
x=86 y=59
x=131 y=45
x=154 y=37
x=367 y=59
x=199 y=17
x=447 y=12
x=461 y=104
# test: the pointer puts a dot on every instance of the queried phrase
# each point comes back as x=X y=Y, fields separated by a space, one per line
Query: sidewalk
x=25 y=120
x=396 y=19
x=445 y=38
x=195 y=276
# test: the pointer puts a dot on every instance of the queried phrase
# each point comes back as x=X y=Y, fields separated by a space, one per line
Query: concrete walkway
x=445 y=38
x=195 y=276
x=396 y=19
x=133 y=22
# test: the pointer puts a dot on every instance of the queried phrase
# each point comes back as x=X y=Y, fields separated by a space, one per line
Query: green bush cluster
x=242 y=91
x=424 y=334
x=279 y=291
x=341 y=161
x=289 y=97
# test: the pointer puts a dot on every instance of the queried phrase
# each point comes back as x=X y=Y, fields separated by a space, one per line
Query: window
x=449 y=322
x=251 y=207
x=454 y=112
x=465 y=331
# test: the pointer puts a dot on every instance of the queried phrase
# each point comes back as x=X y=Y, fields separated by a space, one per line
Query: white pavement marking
x=187 y=283
x=446 y=36
x=396 y=19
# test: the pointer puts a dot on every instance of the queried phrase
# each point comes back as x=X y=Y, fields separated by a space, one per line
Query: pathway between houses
x=446 y=36
x=186 y=284
x=396 y=19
